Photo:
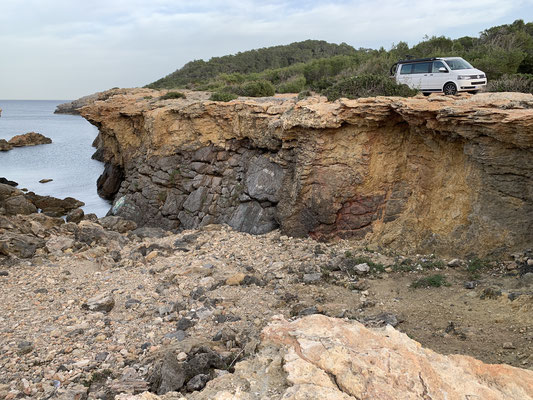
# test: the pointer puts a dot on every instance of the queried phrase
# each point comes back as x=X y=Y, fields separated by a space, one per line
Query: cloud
x=65 y=49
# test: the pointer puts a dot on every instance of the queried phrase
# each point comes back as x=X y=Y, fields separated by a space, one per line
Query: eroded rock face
x=438 y=174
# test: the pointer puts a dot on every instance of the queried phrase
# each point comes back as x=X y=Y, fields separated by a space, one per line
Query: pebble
x=235 y=280
x=312 y=278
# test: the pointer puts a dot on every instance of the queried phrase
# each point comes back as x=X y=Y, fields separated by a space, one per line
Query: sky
x=65 y=49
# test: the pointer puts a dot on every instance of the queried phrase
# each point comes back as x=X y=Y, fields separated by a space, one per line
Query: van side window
x=421 y=68
x=406 y=69
x=437 y=65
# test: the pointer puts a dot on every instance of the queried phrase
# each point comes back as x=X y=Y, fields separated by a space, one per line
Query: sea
x=67 y=160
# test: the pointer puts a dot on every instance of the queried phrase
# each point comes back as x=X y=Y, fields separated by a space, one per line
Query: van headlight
x=463 y=77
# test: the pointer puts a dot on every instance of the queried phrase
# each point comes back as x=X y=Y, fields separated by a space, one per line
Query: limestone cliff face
x=451 y=175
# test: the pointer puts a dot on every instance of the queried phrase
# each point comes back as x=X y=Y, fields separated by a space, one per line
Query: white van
x=439 y=74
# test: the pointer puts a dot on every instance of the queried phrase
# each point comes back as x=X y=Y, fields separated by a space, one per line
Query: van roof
x=415 y=60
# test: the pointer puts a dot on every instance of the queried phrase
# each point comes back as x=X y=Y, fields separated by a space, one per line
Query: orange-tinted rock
x=439 y=174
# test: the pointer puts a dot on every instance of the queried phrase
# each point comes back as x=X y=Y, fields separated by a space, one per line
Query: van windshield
x=458 y=63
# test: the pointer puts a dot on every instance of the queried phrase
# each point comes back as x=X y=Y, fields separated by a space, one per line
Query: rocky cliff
x=438 y=174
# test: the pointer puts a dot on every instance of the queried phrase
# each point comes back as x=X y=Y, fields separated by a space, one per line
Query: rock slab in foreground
x=319 y=357
x=335 y=359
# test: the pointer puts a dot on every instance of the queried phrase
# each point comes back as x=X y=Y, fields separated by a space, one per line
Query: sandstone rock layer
x=331 y=358
x=438 y=174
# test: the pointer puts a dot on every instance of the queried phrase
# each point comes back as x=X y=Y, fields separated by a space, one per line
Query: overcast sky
x=64 y=49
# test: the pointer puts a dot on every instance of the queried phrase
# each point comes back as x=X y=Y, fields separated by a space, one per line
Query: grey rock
x=4 y=273
x=101 y=357
x=362 y=268
x=184 y=324
x=252 y=218
x=131 y=302
x=527 y=278
x=381 y=319
x=102 y=302
x=150 y=232
x=23 y=246
x=179 y=335
x=108 y=184
x=197 y=383
x=196 y=200
x=59 y=244
x=89 y=232
x=455 y=263
x=312 y=278
x=24 y=347
x=264 y=179
x=470 y=284
x=19 y=205
x=117 y=224
x=75 y=215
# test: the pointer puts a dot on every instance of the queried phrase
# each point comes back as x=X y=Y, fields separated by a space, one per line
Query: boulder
x=117 y=224
x=19 y=205
x=19 y=245
x=59 y=243
x=102 y=302
x=8 y=182
x=4 y=145
x=53 y=206
x=89 y=232
x=75 y=215
x=29 y=139
x=332 y=358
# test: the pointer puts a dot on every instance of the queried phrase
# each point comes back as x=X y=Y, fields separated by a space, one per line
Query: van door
x=403 y=74
x=436 y=79
x=420 y=74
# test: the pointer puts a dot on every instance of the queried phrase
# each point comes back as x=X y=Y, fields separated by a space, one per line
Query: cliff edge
x=451 y=175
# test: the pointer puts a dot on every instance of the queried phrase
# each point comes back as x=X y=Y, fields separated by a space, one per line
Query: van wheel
x=450 y=88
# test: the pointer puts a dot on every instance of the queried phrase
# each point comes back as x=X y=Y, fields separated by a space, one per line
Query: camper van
x=439 y=74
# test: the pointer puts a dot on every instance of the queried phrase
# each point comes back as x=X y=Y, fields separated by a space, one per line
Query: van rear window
x=406 y=69
x=421 y=68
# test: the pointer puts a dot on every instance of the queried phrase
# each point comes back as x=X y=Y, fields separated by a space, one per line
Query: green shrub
x=367 y=86
x=255 y=89
x=512 y=83
x=436 y=280
x=475 y=265
x=294 y=85
x=223 y=96
x=172 y=95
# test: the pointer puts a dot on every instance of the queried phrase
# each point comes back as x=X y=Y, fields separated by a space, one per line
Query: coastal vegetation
x=504 y=52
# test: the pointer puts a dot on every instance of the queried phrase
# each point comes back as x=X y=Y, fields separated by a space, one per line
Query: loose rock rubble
x=101 y=308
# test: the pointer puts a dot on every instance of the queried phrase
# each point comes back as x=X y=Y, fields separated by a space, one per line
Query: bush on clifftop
x=172 y=95
x=223 y=96
x=367 y=86
x=512 y=83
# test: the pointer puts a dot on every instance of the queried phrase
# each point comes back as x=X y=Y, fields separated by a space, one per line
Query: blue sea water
x=67 y=160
